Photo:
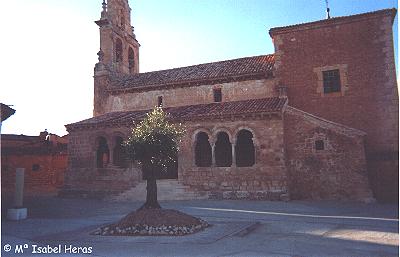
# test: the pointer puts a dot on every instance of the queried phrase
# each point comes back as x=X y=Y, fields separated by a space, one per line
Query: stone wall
x=266 y=179
x=336 y=169
x=48 y=176
x=287 y=162
x=361 y=47
x=233 y=91
x=84 y=178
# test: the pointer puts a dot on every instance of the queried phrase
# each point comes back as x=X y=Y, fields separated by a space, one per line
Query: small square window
x=217 y=95
x=35 y=167
x=331 y=80
x=319 y=145
x=160 y=101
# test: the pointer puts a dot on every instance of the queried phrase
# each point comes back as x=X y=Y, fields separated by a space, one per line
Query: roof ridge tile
x=190 y=112
x=213 y=70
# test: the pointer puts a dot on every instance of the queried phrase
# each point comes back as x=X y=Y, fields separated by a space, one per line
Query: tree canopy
x=155 y=140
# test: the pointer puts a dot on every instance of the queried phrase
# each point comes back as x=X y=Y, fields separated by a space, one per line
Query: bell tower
x=119 y=49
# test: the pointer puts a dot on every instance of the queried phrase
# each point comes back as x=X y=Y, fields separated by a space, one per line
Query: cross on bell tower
x=328 y=10
x=119 y=49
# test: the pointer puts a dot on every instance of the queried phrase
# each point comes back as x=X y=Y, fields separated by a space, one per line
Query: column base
x=17 y=214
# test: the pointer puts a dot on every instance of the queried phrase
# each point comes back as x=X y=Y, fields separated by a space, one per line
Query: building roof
x=333 y=21
x=31 y=145
x=229 y=70
x=190 y=112
x=324 y=123
x=14 y=140
x=14 y=137
x=5 y=111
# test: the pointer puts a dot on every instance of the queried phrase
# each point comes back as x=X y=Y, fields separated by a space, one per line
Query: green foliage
x=155 y=140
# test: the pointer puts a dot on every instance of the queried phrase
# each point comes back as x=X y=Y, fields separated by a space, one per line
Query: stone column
x=111 y=145
x=19 y=187
x=233 y=154
x=212 y=154
x=255 y=149
x=18 y=212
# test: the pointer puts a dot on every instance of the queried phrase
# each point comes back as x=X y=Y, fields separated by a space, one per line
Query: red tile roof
x=191 y=112
x=31 y=145
x=230 y=70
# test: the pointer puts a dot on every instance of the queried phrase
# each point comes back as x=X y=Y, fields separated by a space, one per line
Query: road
x=239 y=228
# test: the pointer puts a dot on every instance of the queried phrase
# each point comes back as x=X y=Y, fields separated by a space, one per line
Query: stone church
x=316 y=119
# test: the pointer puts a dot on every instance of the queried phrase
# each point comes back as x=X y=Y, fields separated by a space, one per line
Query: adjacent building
x=43 y=157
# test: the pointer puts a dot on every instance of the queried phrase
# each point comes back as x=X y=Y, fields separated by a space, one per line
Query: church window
x=331 y=80
x=35 y=167
x=319 y=145
x=217 y=95
x=122 y=20
x=118 y=50
x=202 y=150
x=103 y=153
x=119 y=155
x=160 y=101
x=223 y=150
x=131 y=59
x=244 y=149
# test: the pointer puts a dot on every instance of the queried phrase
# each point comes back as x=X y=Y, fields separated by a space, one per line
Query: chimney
x=43 y=135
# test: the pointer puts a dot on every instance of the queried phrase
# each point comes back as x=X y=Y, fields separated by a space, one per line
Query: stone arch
x=255 y=137
x=131 y=59
x=102 y=152
x=222 y=129
x=223 y=150
x=118 y=134
x=94 y=139
x=244 y=149
x=202 y=150
x=119 y=156
x=201 y=130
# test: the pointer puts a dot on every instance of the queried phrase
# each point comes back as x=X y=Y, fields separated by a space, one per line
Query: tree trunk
x=151 y=196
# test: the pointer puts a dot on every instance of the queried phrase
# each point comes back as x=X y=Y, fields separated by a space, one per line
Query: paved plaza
x=239 y=228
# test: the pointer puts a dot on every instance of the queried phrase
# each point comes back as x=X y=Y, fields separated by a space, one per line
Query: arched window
x=202 y=150
x=131 y=59
x=119 y=155
x=319 y=145
x=118 y=50
x=223 y=150
x=122 y=19
x=103 y=153
x=217 y=95
x=244 y=149
x=160 y=101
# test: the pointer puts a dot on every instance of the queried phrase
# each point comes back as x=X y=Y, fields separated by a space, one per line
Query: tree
x=154 y=143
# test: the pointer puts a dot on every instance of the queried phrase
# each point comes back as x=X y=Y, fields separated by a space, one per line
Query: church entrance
x=170 y=172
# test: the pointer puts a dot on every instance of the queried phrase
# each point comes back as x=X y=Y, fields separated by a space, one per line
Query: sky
x=48 y=47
